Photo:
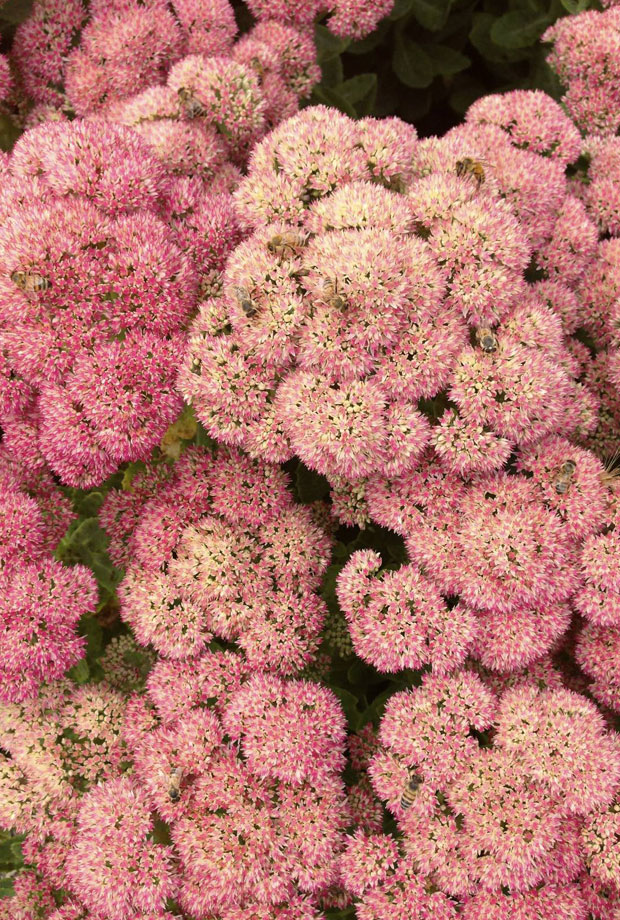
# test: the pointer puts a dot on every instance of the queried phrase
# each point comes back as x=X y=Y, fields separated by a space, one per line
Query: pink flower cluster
x=431 y=324
x=385 y=274
x=95 y=287
x=507 y=805
x=41 y=599
x=585 y=55
x=595 y=184
x=70 y=61
x=6 y=79
x=242 y=768
x=514 y=550
x=116 y=226
x=220 y=549
x=347 y=18
x=41 y=45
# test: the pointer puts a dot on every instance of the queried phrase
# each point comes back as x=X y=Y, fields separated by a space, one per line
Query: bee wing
x=612 y=461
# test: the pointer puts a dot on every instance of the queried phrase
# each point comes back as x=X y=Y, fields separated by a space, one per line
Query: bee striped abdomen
x=410 y=791
x=30 y=282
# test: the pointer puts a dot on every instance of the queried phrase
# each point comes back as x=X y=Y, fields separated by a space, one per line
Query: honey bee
x=332 y=295
x=191 y=106
x=470 y=167
x=174 y=784
x=397 y=183
x=281 y=243
x=245 y=301
x=487 y=339
x=30 y=282
x=563 y=479
x=257 y=66
x=410 y=791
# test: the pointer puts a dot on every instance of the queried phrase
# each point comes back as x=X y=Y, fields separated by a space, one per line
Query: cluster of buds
x=68 y=60
x=220 y=550
x=495 y=562
x=95 y=288
x=431 y=324
x=240 y=769
x=42 y=600
x=505 y=801
x=381 y=305
x=585 y=57
x=117 y=225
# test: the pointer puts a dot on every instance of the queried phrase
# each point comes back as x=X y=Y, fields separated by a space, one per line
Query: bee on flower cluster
x=332 y=295
x=174 y=784
x=257 y=66
x=191 y=106
x=30 y=282
x=282 y=243
x=245 y=301
x=470 y=167
x=410 y=791
x=487 y=339
x=564 y=477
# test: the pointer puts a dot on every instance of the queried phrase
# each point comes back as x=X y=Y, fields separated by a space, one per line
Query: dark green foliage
x=11 y=860
x=86 y=543
x=15 y=11
x=430 y=59
x=309 y=486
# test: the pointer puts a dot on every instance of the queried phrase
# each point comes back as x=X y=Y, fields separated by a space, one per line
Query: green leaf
x=16 y=11
x=415 y=105
x=327 y=44
x=9 y=132
x=518 y=29
x=80 y=672
x=332 y=73
x=446 y=60
x=90 y=628
x=202 y=439
x=575 y=6
x=397 y=549
x=411 y=63
x=6 y=887
x=87 y=504
x=432 y=14
x=328 y=587
x=355 y=672
x=480 y=37
x=349 y=704
x=16 y=852
x=374 y=712
x=11 y=854
x=311 y=486
x=86 y=543
x=357 y=88
x=361 y=92
x=543 y=77
x=161 y=832
x=323 y=95
x=400 y=9
x=457 y=23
